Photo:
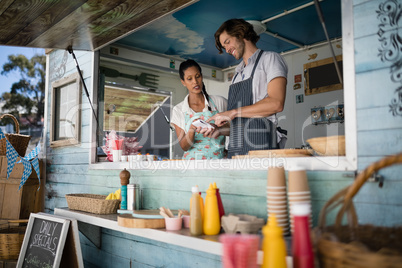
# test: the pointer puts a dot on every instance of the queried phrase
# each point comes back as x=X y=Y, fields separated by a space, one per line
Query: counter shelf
x=209 y=244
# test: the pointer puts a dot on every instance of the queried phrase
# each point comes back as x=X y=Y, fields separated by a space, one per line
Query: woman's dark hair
x=238 y=28
x=192 y=63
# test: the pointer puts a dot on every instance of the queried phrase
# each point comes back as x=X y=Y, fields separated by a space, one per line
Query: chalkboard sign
x=44 y=241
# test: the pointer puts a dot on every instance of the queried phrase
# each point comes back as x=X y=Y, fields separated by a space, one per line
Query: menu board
x=44 y=241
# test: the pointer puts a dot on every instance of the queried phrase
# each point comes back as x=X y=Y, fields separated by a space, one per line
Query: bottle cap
x=194 y=189
x=272 y=227
x=214 y=185
x=300 y=209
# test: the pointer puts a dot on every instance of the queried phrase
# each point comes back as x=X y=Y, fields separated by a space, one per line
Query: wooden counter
x=182 y=238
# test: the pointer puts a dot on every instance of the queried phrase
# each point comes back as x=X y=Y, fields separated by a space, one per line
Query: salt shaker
x=124 y=180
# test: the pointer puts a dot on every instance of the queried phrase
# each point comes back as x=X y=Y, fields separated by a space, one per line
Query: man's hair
x=238 y=28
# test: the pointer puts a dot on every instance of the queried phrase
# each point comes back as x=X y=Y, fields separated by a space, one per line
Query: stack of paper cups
x=298 y=191
x=276 y=197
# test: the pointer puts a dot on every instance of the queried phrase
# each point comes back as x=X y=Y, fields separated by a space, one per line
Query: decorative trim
x=390 y=14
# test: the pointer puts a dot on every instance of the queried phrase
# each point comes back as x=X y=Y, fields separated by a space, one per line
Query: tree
x=26 y=96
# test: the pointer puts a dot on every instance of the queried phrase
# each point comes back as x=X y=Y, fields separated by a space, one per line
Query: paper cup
x=276 y=202
x=299 y=193
x=116 y=154
x=277 y=193
x=173 y=224
x=276 y=176
x=297 y=181
x=276 y=198
x=186 y=221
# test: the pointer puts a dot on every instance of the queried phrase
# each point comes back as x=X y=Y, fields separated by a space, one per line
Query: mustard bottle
x=212 y=224
x=273 y=245
x=195 y=213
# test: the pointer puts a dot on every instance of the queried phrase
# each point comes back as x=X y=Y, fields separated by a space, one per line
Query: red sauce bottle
x=302 y=249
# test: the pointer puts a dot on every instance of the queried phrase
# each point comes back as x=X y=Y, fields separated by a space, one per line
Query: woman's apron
x=248 y=134
x=204 y=147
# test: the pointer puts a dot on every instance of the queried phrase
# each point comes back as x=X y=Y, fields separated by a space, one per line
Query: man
x=257 y=92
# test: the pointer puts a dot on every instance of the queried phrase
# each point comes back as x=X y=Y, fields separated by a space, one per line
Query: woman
x=197 y=142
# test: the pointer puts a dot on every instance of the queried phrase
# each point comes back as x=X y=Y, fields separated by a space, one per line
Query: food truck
x=112 y=73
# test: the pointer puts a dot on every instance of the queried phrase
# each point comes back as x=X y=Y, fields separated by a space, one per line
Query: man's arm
x=272 y=104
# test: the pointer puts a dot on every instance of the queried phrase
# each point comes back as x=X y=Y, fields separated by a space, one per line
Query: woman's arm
x=186 y=140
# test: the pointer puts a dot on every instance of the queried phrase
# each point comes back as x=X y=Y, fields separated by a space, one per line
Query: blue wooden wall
x=379 y=133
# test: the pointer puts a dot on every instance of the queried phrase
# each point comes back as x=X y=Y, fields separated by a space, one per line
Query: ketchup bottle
x=220 y=204
x=302 y=249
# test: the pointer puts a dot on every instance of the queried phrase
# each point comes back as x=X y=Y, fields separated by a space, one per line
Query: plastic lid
x=300 y=209
x=194 y=189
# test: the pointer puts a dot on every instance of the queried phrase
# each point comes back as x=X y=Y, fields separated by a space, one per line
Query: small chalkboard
x=44 y=241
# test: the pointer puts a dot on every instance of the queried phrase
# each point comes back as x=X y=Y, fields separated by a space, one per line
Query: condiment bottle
x=201 y=204
x=273 y=245
x=195 y=212
x=124 y=180
x=302 y=249
x=212 y=225
x=220 y=204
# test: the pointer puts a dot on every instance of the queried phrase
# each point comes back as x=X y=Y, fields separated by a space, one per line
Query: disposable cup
x=116 y=154
x=276 y=176
x=278 y=198
x=297 y=181
x=299 y=193
x=173 y=224
x=276 y=188
x=277 y=211
x=277 y=193
x=276 y=202
x=280 y=216
x=186 y=221
x=306 y=199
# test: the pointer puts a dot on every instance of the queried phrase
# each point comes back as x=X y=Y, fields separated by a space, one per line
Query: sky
x=12 y=77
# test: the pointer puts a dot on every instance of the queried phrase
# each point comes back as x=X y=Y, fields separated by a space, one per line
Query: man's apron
x=248 y=134
x=204 y=147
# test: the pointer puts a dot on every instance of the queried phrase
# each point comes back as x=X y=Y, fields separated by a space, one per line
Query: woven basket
x=93 y=203
x=11 y=238
x=329 y=146
x=355 y=245
x=18 y=141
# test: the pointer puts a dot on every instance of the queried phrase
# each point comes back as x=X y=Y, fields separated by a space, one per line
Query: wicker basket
x=356 y=245
x=329 y=146
x=18 y=141
x=11 y=238
x=93 y=203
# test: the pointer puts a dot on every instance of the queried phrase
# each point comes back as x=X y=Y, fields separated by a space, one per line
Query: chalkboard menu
x=43 y=242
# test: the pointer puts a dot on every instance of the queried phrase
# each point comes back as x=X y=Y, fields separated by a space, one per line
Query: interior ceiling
x=184 y=29
x=189 y=33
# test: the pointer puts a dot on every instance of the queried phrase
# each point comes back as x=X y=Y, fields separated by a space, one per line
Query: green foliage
x=26 y=96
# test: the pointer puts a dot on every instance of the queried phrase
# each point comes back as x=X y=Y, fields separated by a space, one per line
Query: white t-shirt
x=180 y=109
x=270 y=66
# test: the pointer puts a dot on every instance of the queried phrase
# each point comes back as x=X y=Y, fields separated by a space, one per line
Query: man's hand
x=223 y=118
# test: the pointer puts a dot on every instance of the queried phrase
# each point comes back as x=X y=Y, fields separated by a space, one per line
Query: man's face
x=232 y=45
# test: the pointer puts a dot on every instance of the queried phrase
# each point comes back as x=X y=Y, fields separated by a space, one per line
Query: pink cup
x=186 y=221
x=173 y=224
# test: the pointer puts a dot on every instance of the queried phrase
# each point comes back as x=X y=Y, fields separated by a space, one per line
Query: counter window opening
x=347 y=162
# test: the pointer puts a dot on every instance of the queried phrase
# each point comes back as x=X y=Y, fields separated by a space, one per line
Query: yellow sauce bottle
x=273 y=245
x=195 y=212
x=212 y=224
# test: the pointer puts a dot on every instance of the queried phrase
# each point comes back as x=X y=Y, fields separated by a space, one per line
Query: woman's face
x=192 y=80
